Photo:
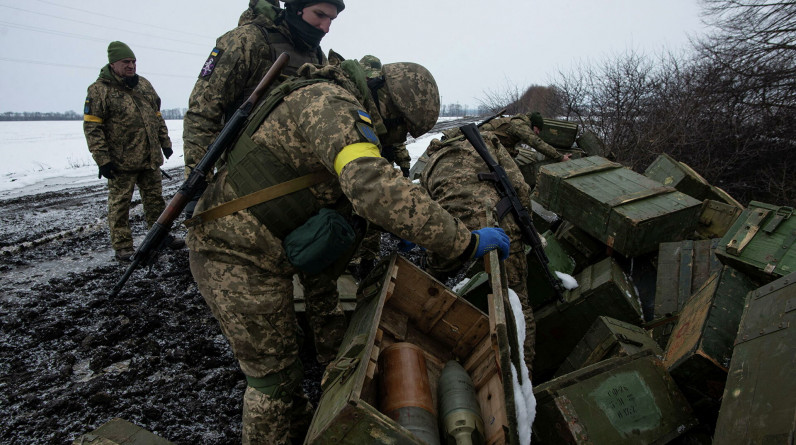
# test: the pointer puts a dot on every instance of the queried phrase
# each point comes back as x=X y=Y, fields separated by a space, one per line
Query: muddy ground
x=71 y=359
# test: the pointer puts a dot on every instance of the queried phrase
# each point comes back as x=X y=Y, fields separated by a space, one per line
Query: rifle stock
x=195 y=183
x=508 y=194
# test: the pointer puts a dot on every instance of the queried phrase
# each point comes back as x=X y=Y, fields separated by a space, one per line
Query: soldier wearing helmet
x=331 y=129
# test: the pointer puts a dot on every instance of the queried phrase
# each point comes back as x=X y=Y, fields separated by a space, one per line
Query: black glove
x=167 y=152
x=108 y=170
x=405 y=172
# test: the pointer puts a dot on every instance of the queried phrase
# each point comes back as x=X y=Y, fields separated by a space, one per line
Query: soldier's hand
x=167 y=152
x=108 y=170
x=489 y=239
x=566 y=157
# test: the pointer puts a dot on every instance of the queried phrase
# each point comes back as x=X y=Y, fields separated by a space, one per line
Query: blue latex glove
x=405 y=246
x=491 y=238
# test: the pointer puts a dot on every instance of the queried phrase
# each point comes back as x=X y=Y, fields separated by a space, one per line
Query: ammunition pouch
x=280 y=385
x=319 y=242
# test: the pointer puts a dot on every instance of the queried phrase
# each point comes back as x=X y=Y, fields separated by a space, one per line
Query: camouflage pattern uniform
x=517 y=129
x=450 y=177
x=236 y=65
x=123 y=125
x=241 y=267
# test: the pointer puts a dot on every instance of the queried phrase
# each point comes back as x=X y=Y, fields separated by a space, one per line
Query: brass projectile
x=459 y=409
x=406 y=392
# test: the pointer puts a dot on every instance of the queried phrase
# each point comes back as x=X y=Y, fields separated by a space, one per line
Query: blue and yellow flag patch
x=87 y=106
x=365 y=117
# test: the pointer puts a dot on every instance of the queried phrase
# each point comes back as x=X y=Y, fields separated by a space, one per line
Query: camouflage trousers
x=516 y=266
x=120 y=194
x=254 y=308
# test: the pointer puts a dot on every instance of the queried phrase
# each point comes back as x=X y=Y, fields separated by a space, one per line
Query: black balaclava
x=299 y=28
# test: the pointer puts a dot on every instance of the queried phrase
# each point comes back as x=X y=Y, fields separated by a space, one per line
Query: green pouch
x=316 y=244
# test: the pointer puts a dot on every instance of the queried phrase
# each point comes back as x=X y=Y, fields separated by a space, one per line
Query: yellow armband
x=353 y=151
x=90 y=118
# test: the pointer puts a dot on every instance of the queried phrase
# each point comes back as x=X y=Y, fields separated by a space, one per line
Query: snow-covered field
x=39 y=156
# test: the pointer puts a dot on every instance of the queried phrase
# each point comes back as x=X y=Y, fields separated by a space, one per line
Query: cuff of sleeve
x=469 y=252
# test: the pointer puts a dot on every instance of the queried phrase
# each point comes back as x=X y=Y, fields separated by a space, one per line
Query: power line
x=120 y=18
x=96 y=25
x=85 y=37
x=92 y=68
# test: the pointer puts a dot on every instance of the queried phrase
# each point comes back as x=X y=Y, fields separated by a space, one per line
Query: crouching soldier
x=324 y=129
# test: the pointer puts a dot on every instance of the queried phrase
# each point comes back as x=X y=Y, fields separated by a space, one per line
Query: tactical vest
x=251 y=168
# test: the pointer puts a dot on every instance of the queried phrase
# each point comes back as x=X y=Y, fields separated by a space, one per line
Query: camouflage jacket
x=235 y=66
x=451 y=179
x=517 y=129
x=124 y=125
x=307 y=131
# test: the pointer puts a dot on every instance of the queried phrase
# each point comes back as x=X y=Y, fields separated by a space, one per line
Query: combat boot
x=124 y=254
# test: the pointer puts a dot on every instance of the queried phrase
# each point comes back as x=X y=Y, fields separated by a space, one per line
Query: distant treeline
x=171 y=113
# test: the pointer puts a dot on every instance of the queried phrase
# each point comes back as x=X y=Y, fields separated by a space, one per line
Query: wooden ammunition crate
x=625 y=400
x=558 y=133
x=530 y=161
x=120 y=432
x=668 y=171
x=591 y=144
x=560 y=261
x=625 y=210
x=761 y=242
x=603 y=289
x=683 y=267
x=699 y=349
x=758 y=404
x=716 y=218
x=583 y=248
x=404 y=304
x=608 y=338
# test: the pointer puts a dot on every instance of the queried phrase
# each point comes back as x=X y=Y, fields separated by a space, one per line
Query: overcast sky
x=53 y=49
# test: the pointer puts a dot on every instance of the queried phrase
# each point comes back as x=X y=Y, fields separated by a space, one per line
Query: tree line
x=725 y=107
x=171 y=113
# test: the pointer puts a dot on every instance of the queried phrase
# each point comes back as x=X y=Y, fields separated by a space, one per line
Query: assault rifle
x=508 y=197
x=196 y=183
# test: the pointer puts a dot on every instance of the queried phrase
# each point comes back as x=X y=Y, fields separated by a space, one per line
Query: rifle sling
x=259 y=197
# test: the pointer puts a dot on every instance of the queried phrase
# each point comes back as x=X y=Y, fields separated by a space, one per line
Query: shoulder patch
x=210 y=63
x=364 y=117
x=87 y=106
x=368 y=133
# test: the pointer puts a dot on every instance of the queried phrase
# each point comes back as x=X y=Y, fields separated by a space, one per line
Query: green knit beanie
x=118 y=51
x=536 y=119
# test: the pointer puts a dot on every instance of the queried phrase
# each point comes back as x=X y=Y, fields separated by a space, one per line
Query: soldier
x=450 y=178
x=235 y=67
x=519 y=128
x=241 y=58
x=126 y=134
x=244 y=262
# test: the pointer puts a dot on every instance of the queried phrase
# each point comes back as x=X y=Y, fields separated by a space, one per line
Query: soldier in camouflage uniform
x=236 y=65
x=516 y=129
x=126 y=134
x=242 y=269
x=450 y=178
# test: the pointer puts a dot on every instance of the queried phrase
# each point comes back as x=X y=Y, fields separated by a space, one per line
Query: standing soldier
x=522 y=128
x=125 y=134
x=236 y=65
x=451 y=179
x=243 y=262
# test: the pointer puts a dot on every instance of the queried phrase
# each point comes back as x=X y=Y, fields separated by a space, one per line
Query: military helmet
x=371 y=65
x=536 y=119
x=414 y=93
x=298 y=4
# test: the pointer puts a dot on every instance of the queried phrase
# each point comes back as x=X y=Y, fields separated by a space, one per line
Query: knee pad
x=280 y=385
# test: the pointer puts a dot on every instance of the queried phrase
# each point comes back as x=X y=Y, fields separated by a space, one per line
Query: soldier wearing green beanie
x=127 y=138
x=536 y=120
x=118 y=51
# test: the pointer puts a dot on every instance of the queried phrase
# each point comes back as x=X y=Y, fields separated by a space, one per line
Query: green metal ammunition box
x=401 y=303
x=761 y=242
x=683 y=267
x=120 y=432
x=625 y=400
x=758 y=403
x=583 y=248
x=699 y=349
x=716 y=218
x=603 y=289
x=608 y=338
x=558 y=133
x=625 y=210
